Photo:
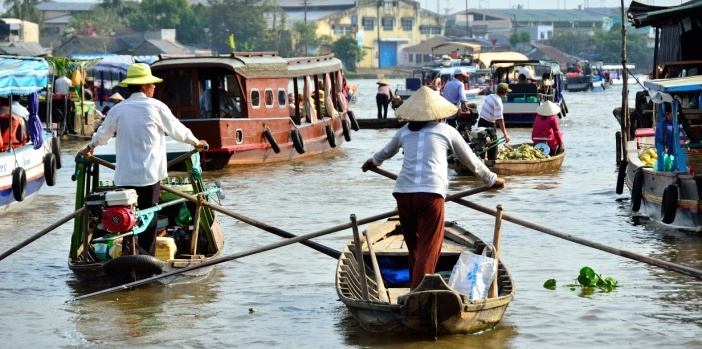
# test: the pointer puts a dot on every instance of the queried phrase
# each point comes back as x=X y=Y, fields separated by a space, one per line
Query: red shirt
x=546 y=128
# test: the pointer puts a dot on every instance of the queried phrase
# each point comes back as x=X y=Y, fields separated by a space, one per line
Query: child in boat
x=546 y=128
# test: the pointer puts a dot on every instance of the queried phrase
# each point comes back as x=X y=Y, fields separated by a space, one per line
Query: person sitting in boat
x=226 y=103
x=546 y=129
x=522 y=79
x=141 y=123
x=665 y=136
x=420 y=188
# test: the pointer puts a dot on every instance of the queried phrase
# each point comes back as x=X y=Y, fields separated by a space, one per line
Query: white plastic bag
x=473 y=274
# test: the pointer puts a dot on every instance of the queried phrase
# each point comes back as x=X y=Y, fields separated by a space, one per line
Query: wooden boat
x=433 y=307
x=28 y=159
x=667 y=192
x=519 y=108
x=191 y=236
x=515 y=167
x=252 y=120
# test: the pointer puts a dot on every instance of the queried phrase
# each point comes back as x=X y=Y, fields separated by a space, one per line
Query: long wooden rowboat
x=516 y=167
x=433 y=307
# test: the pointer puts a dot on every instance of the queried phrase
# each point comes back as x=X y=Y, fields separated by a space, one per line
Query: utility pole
x=379 y=3
x=467 y=34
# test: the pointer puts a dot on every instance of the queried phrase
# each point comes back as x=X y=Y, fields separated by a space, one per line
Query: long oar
x=683 y=269
x=249 y=252
x=42 y=233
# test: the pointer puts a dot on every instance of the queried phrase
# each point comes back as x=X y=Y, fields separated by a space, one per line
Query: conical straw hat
x=383 y=82
x=425 y=105
x=548 y=108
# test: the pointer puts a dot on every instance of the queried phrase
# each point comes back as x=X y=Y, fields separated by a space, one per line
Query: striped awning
x=22 y=75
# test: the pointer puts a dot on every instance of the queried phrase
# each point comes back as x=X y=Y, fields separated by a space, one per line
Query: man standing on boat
x=454 y=92
x=421 y=187
x=141 y=123
x=493 y=113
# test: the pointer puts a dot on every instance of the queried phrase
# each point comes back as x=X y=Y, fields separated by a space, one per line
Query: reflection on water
x=291 y=289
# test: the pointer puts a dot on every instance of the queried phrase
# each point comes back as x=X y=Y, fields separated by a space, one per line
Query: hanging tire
x=637 y=191
x=620 y=177
x=269 y=137
x=50 y=169
x=298 y=141
x=669 y=204
x=347 y=129
x=331 y=137
x=19 y=183
x=56 y=149
x=352 y=119
x=122 y=267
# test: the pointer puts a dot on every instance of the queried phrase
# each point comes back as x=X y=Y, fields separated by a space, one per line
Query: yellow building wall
x=394 y=9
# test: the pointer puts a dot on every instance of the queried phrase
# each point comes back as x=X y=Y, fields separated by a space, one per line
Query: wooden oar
x=249 y=252
x=679 y=268
x=492 y=293
x=43 y=232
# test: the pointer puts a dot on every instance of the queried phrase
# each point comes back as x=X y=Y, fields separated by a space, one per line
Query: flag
x=232 y=43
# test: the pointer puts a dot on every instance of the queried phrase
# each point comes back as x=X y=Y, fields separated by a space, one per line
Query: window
x=407 y=24
x=368 y=23
x=419 y=58
x=255 y=99
x=268 y=97
x=436 y=30
x=389 y=4
x=388 y=23
x=342 y=29
x=282 y=98
x=424 y=29
x=410 y=57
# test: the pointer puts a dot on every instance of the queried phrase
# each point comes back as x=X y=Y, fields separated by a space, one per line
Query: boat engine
x=114 y=210
x=482 y=138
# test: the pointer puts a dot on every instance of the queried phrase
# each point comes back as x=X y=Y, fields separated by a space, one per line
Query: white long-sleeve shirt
x=425 y=168
x=141 y=124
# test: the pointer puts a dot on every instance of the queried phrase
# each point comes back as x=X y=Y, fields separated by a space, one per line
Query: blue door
x=388 y=54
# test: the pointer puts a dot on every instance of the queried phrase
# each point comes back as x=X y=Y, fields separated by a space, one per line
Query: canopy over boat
x=675 y=85
x=22 y=75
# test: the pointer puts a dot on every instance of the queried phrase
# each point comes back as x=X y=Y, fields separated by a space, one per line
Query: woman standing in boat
x=141 y=123
x=421 y=186
x=383 y=98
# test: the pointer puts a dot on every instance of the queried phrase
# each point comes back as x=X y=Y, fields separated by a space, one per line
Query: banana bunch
x=523 y=152
x=649 y=157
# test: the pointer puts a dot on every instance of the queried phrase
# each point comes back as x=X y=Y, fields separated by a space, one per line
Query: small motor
x=118 y=214
x=482 y=138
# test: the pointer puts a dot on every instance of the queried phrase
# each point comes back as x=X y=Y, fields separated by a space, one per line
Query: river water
x=291 y=289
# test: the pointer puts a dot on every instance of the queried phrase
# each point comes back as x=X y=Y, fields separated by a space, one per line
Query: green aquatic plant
x=587 y=281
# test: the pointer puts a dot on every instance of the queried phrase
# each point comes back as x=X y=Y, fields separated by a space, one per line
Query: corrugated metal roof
x=65 y=6
x=642 y=15
x=59 y=20
x=521 y=15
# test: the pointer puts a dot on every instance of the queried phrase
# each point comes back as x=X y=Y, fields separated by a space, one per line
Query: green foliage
x=521 y=37
x=169 y=14
x=305 y=36
x=550 y=284
x=243 y=18
x=606 y=46
x=101 y=21
x=346 y=49
x=22 y=9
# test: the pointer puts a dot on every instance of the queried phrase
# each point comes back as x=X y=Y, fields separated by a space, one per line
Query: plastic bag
x=473 y=274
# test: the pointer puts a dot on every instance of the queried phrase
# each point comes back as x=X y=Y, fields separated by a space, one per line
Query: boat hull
x=516 y=167
x=433 y=307
x=688 y=212
x=32 y=161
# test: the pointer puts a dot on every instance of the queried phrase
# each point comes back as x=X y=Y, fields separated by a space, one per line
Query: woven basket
x=694 y=159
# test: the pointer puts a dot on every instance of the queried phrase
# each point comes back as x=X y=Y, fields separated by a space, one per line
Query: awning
x=22 y=75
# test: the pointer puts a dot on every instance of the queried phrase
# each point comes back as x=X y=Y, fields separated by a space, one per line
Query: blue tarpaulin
x=22 y=75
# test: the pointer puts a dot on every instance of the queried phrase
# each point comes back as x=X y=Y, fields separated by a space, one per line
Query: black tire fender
x=19 y=183
x=50 y=169
x=347 y=129
x=331 y=137
x=298 y=141
x=620 y=177
x=637 y=191
x=122 y=267
x=269 y=137
x=352 y=119
x=669 y=204
x=56 y=149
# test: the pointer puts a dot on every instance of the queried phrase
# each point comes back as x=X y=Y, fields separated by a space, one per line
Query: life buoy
x=636 y=191
x=352 y=119
x=331 y=137
x=50 y=169
x=269 y=137
x=123 y=266
x=347 y=129
x=19 y=183
x=669 y=204
x=620 y=177
x=56 y=149
x=298 y=141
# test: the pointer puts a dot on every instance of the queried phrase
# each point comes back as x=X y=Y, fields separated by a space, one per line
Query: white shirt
x=141 y=124
x=526 y=72
x=424 y=168
x=492 y=108
x=17 y=109
x=61 y=85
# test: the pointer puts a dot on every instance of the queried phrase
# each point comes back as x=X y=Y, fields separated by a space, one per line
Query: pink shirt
x=546 y=128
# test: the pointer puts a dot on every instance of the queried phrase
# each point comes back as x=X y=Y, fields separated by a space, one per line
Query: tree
x=160 y=14
x=347 y=50
x=25 y=10
x=99 y=22
x=521 y=37
x=305 y=36
x=243 y=18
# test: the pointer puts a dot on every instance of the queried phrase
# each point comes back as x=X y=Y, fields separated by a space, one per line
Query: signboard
x=354 y=19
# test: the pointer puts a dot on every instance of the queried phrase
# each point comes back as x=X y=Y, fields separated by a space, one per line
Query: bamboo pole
x=496 y=242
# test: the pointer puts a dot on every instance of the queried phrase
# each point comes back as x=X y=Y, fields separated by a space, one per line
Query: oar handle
x=187 y=155
x=99 y=161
